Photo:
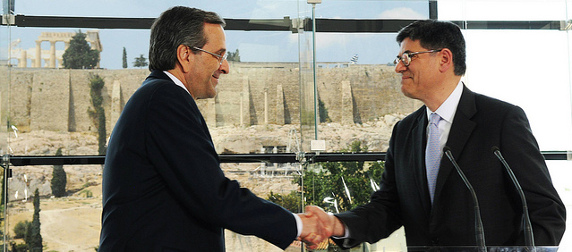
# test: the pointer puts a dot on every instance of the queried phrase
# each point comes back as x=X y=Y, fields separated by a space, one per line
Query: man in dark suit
x=437 y=210
x=163 y=189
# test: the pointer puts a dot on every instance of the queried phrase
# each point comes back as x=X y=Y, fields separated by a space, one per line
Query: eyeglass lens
x=404 y=58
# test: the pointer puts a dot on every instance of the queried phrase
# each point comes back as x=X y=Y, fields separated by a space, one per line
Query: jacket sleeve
x=521 y=151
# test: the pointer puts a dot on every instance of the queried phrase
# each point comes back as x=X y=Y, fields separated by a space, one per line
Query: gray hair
x=177 y=26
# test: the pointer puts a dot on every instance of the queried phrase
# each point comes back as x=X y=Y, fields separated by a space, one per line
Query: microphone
x=479 y=230
x=528 y=234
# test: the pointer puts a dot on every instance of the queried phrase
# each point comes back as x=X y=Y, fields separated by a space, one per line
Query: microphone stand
x=528 y=233
x=479 y=230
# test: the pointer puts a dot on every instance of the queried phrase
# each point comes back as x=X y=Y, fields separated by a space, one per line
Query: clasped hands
x=319 y=226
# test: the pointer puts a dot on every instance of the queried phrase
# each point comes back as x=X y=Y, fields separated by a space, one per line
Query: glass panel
x=501 y=78
x=260 y=107
x=308 y=110
x=267 y=104
x=373 y=9
x=506 y=64
x=68 y=222
x=354 y=78
x=257 y=110
x=5 y=72
x=492 y=10
x=100 y=8
x=358 y=102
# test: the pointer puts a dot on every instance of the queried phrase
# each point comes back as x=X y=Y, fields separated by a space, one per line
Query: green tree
x=19 y=247
x=233 y=56
x=124 y=58
x=35 y=240
x=329 y=188
x=21 y=229
x=140 y=61
x=59 y=178
x=323 y=112
x=97 y=113
x=79 y=54
x=292 y=202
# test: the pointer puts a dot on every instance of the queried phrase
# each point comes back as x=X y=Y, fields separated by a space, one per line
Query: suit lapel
x=461 y=130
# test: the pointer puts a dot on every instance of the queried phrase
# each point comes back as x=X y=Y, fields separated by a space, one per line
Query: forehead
x=408 y=45
x=215 y=36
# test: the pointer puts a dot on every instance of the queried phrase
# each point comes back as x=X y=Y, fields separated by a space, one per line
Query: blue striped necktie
x=433 y=153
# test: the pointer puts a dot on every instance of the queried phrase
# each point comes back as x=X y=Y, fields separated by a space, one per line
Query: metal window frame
x=312 y=157
x=285 y=24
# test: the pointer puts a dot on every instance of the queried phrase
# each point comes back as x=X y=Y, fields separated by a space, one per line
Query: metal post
x=314 y=71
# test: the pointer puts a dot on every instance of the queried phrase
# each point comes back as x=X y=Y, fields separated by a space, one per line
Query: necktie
x=433 y=153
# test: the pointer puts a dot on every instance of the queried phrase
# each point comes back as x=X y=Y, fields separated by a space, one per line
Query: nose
x=400 y=67
x=224 y=67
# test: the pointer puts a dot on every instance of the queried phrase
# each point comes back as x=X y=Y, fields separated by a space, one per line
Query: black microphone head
x=446 y=149
x=495 y=149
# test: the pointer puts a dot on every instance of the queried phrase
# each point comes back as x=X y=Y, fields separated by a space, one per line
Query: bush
x=21 y=247
x=21 y=228
x=343 y=185
x=87 y=193
x=292 y=202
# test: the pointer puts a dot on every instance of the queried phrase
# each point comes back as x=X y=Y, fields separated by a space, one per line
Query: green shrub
x=21 y=228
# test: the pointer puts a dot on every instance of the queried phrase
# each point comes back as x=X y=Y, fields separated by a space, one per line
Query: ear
x=446 y=62
x=184 y=57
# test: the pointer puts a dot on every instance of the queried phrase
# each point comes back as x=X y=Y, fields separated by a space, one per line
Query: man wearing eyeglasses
x=163 y=189
x=420 y=188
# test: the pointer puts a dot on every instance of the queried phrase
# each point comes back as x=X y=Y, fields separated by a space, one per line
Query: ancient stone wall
x=252 y=94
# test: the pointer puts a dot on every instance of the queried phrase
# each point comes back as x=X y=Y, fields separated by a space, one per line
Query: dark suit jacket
x=480 y=123
x=163 y=189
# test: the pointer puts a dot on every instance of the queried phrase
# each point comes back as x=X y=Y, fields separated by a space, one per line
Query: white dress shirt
x=447 y=112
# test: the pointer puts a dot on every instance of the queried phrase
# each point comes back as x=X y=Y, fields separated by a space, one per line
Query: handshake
x=319 y=226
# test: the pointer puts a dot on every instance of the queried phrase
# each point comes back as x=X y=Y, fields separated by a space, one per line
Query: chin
x=212 y=94
x=407 y=93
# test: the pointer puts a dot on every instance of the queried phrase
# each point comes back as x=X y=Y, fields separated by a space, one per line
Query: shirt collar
x=177 y=81
x=449 y=107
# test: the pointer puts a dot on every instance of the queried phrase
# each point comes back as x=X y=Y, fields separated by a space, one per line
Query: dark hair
x=177 y=26
x=433 y=34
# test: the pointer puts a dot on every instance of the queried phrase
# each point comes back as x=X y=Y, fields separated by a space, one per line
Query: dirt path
x=72 y=229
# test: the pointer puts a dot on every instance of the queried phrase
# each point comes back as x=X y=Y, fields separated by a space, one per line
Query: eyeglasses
x=407 y=57
x=221 y=58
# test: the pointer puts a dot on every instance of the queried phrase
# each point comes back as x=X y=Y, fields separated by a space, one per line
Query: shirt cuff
x=346 y=229
x=298 y=224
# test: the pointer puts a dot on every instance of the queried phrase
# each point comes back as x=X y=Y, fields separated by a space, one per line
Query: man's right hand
x=331 y=225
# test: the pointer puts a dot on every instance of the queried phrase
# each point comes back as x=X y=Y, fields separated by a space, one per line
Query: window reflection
x=267 y=95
